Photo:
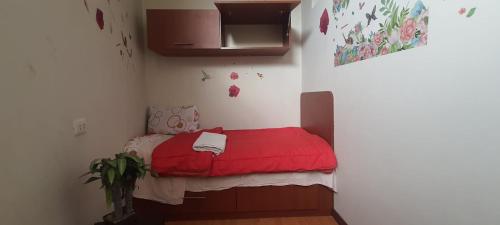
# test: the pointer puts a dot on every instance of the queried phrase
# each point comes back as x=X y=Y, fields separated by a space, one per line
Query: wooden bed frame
x=251 y=202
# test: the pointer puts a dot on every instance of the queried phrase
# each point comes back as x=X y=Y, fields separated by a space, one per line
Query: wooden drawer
x=206 y=202
x=271 y=198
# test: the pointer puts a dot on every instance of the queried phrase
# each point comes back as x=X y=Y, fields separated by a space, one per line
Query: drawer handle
x=183 y=44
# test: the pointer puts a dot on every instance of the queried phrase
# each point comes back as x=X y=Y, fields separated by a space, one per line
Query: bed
x=250 y=195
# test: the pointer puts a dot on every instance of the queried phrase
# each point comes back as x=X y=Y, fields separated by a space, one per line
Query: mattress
x=271 y=150
x=170 y=190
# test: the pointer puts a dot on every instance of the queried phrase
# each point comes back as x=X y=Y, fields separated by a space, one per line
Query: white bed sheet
x=170 y=190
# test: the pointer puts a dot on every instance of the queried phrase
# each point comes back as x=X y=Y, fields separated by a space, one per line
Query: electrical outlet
x=79 y=126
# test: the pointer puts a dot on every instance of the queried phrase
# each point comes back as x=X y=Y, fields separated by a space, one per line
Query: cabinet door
x=183 y=29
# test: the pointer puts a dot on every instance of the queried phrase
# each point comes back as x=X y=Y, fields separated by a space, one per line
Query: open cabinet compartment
x=255 y=27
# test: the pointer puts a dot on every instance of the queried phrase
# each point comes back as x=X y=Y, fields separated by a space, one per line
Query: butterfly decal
x=260 y=75
x=371 y=17
x=206 y=76
x=124 y=40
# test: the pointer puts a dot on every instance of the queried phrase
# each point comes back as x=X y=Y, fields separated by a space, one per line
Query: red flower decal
x=234 y=91
x=408 y=30
x=234 y=76
x=324 y=22
x=462 y=11
x=99 y=18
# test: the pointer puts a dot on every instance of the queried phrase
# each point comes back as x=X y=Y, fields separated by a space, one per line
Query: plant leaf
x=122 y=165
x=85 y=174
x=111 y=176
x=109 y=197
x=112 y=163
x=135 y=158
x=92 y=179
x=142 y=172
x=471 y=12
x=93 y=164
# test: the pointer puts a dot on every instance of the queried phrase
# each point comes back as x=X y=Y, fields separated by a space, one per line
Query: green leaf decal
x=471 y=12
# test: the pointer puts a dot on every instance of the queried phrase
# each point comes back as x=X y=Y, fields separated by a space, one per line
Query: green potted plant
x=118 y=177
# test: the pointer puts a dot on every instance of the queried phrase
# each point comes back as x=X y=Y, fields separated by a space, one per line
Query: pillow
x=163 y=120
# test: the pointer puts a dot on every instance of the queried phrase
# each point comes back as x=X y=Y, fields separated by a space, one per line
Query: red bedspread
x=273 y=150
x=175 y=157
x=247 y=151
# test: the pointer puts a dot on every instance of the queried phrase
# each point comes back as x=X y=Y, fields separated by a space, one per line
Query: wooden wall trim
x=338 y=218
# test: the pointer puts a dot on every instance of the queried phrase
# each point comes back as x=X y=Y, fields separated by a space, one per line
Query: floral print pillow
x=163 y=120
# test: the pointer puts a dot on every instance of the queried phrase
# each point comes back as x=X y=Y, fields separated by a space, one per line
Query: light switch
x=79 y=126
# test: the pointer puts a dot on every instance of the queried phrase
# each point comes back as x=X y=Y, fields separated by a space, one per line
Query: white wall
x=269 y=102
x=56 y=65
x=416 y=132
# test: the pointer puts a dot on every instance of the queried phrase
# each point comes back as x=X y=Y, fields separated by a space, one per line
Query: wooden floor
x=326 y=220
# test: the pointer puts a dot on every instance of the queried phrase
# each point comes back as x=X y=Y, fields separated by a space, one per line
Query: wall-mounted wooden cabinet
x=237 y=28
x=177 y=31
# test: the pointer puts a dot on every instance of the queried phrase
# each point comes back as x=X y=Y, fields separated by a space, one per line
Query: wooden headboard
x=316 y=114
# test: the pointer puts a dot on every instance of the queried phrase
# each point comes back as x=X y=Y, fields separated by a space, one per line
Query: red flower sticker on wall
x=234 y=76
x=99 y=18
x=234 y=91
x=462 y=11
x=324 y=22
x=408 y=30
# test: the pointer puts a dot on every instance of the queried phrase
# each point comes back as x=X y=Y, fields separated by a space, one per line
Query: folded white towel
x=210 y=142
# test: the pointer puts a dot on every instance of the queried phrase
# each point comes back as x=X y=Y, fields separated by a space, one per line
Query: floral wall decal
x=471 y=12
x=385 y=27
x=324 y=22
x=462 y=11
x=86 y=5
x=340 y=5
x=361 y=5
x=234 y=91
x=99 y=18
x=124 y=47
x=234 y=76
